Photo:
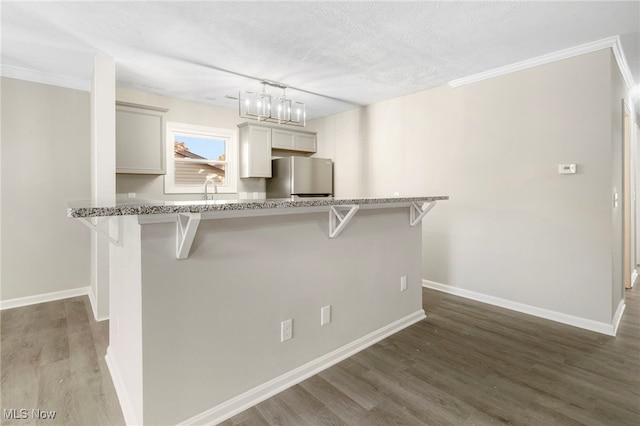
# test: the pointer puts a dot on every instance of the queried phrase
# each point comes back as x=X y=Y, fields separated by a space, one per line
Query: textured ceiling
x=339 y=54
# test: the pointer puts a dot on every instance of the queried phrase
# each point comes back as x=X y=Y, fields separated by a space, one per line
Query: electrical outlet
x=286 y=330
x=403 y=283
x=325 y=315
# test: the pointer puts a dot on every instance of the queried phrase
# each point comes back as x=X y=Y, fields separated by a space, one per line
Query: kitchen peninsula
x=201 y=293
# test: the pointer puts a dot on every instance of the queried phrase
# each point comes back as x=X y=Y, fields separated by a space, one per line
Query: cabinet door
x=139 y=140
x=255 y=146
x=305 y=142
x=282 y=139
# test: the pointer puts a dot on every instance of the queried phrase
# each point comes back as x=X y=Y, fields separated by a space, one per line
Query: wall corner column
x=103 y=178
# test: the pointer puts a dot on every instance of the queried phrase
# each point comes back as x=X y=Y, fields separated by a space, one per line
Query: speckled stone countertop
x=132 y=207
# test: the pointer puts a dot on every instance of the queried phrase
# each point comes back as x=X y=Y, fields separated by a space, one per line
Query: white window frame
x=231 y=157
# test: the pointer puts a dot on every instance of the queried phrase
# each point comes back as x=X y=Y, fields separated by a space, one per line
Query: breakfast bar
x=218 y=305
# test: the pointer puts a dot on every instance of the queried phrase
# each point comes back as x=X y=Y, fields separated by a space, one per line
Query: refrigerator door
x=279 y=185
x=311 y=176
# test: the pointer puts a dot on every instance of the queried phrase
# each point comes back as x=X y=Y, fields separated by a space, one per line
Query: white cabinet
x=257 y=141
x=305 y=142
x=293 y=140
x=139 y=139
x=255 y=151
x=282 y=139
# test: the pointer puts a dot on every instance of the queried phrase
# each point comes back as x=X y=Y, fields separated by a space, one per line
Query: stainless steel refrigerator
x=300 y=177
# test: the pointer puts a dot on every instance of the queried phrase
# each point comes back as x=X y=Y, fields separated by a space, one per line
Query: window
x=195 y=153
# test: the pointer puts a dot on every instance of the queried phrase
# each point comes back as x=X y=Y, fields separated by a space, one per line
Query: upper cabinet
x=293 y=140
x=140 y=139
x=257 y=141
x=255 y=151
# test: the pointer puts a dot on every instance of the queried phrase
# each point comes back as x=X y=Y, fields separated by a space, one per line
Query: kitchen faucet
x=215 y=187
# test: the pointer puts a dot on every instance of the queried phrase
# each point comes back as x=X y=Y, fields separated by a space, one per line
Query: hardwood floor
x=473 y=364
x=52 y=359
x=467 y=364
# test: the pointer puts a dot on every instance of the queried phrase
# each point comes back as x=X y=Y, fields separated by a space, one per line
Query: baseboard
x=618 y=316
x=599 y=327
x=94 y=306
x=42 y=298
x=128 y=412
x=258 y=394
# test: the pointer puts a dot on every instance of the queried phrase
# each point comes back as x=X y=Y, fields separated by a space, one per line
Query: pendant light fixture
x=264 y=107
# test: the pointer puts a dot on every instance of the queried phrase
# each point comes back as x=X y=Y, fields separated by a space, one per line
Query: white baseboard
x=618 y=316
x=93 y=302
x=258 y=394
x=42 y=298
x=599 y=327
x=128 y=412
x=94 y=306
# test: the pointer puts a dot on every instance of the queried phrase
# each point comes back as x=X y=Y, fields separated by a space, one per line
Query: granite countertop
x=135 y=206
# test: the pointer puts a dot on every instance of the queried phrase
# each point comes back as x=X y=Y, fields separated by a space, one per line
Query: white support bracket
x=96 y=228
x=338 y=220
x=417 y=212
x=186 y=228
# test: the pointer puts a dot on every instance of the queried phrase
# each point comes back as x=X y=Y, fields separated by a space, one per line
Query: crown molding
x=43 y=77
x=621 y=59
x=610 y=42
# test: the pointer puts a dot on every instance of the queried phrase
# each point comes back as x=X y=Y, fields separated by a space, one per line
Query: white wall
x=514 y=228
x=45 y=161
x=189 y=112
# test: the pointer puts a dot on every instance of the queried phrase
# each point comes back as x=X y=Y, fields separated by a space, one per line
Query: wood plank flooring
x=473 y=364
x=52 y=359
x=467 y=364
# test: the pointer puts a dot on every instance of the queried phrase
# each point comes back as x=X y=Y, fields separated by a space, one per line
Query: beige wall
x=45 y=161
x=207 y=327
x=514 y=228
x=618 y=92
x=188 y=112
